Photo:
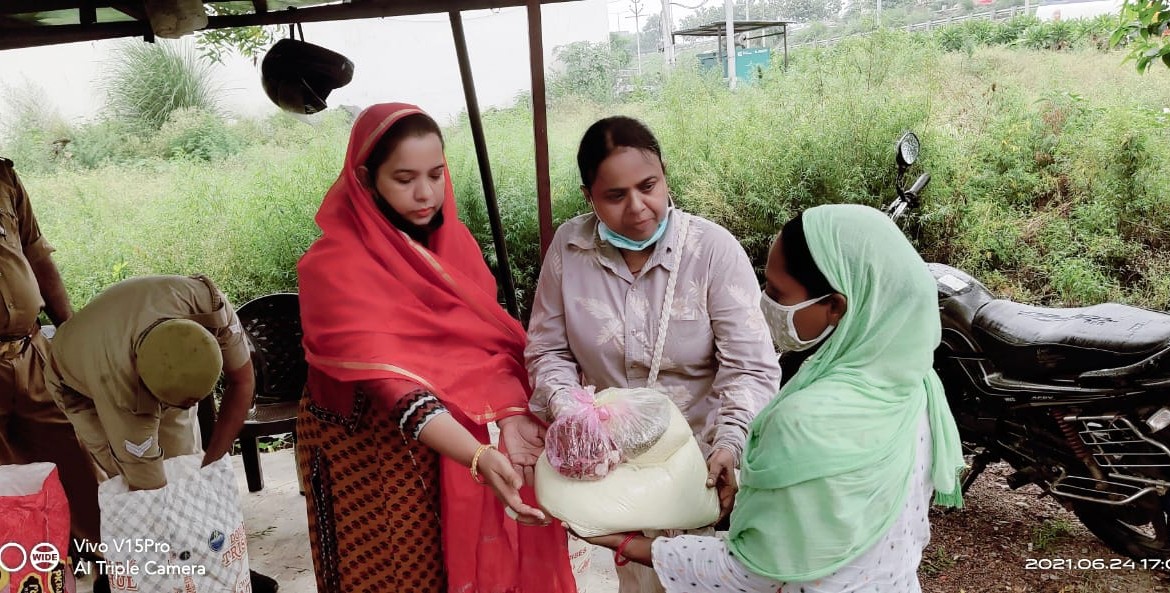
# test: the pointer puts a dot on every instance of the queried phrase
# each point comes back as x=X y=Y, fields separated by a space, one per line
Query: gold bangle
x=475 y=462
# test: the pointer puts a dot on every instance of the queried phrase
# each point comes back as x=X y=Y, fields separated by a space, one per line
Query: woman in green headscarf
x=838 y=471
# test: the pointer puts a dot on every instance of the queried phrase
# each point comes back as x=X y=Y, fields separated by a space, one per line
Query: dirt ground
x=982 y=548
x=987 y=546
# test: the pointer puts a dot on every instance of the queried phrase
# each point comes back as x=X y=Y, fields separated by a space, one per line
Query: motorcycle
x=1075 y=400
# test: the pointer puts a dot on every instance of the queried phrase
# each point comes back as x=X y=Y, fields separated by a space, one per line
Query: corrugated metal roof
x=719 y=28
x=26 y=23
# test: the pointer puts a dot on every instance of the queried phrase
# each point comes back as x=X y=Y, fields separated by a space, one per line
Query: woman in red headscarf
x=410 y=357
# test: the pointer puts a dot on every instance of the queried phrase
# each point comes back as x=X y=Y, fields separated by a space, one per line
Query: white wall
x=408 y=59
x=1078 y=10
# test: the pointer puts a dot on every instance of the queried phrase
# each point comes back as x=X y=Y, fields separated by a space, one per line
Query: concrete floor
x=278 y=542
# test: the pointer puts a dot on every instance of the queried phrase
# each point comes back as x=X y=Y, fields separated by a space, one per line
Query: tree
x=808 y=10
x=623 y=44
x=713 y=13
x=652 y=32
x=249 y=42
x=768 y=10
x=1145 y=26
x=589 y=70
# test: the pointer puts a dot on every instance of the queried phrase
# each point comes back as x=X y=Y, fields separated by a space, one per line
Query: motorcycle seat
x=1038 y=343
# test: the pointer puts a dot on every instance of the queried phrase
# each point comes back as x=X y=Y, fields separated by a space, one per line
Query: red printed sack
x=34 y=531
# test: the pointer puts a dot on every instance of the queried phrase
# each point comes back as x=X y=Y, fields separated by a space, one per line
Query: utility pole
x=667 y=28
x=879 y=13
x=729 y=12
x=636 y=10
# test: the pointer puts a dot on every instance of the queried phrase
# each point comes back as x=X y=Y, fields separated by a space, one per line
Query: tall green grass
x=1045 y=164
x=243 y=221
x=146 y=82
x=1047 y=172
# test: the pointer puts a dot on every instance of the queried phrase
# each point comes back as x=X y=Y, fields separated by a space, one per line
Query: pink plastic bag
x=600 y=432
x=578 y=443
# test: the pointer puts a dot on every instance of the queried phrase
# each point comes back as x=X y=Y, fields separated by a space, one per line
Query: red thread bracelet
x=619 y=557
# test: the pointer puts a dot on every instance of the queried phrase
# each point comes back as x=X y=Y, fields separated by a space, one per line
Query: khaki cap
x=179 y=361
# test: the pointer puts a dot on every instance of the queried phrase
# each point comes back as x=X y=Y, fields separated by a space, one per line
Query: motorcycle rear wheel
x=1140 y=530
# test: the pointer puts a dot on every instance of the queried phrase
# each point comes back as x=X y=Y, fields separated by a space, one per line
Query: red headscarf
x=377 y=305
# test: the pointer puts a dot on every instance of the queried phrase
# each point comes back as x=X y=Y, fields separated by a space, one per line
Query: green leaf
x=1118 y=35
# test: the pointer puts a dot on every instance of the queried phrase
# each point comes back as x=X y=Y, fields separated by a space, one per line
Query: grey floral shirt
x=595 y=323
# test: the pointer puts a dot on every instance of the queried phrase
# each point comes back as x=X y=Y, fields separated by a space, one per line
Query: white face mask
x=782 y=325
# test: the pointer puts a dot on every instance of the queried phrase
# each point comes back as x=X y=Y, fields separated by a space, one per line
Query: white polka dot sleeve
x=693 y=564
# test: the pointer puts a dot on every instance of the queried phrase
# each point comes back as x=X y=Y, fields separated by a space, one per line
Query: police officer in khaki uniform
x=32 y=428
x=106 y=374
x=129 y=368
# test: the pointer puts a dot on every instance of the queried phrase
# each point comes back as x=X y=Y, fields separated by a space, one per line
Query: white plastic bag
x=663 y=488
x=187 y=537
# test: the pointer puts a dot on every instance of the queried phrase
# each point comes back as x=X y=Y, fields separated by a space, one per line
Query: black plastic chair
x=273 y=324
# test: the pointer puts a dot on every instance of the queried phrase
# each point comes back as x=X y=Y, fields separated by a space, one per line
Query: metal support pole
x=667 y=22
x=637 y=11
x=540 y=126
x=785 y=26
x=503 y=269
x=729 y=10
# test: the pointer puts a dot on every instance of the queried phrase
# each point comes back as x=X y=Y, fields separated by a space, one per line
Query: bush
x=146 y=82
x=1010 y=31
x=35 y=135
x=1027 y=31
x=112 y=141
x=193 y=133
x=952 y=38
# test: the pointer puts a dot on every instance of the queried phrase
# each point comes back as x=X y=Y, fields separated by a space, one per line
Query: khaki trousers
x=33 y=429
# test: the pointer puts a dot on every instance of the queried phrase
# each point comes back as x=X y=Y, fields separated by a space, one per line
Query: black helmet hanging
x=299 y=76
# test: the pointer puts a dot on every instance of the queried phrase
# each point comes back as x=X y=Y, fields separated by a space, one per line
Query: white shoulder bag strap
x=664 y=317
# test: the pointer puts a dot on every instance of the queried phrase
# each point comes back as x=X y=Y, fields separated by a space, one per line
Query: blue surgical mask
x=624 y=242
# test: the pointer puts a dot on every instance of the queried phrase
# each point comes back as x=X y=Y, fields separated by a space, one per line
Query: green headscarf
x=828 y=462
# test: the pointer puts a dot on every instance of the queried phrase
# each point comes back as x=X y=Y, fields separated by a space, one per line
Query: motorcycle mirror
x=907 y=151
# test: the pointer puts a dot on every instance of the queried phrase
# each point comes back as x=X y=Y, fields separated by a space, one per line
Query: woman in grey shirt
x=597 y=311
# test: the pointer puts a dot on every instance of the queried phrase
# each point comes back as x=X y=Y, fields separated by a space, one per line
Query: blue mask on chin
x=624 y=242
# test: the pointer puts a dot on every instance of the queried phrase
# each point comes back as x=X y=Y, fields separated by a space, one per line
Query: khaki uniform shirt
x=595 y=323
x=20 y=243
x=92 y=366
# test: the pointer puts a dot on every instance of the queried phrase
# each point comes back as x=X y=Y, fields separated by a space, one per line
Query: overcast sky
x=621 y=12
x=396 y=59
